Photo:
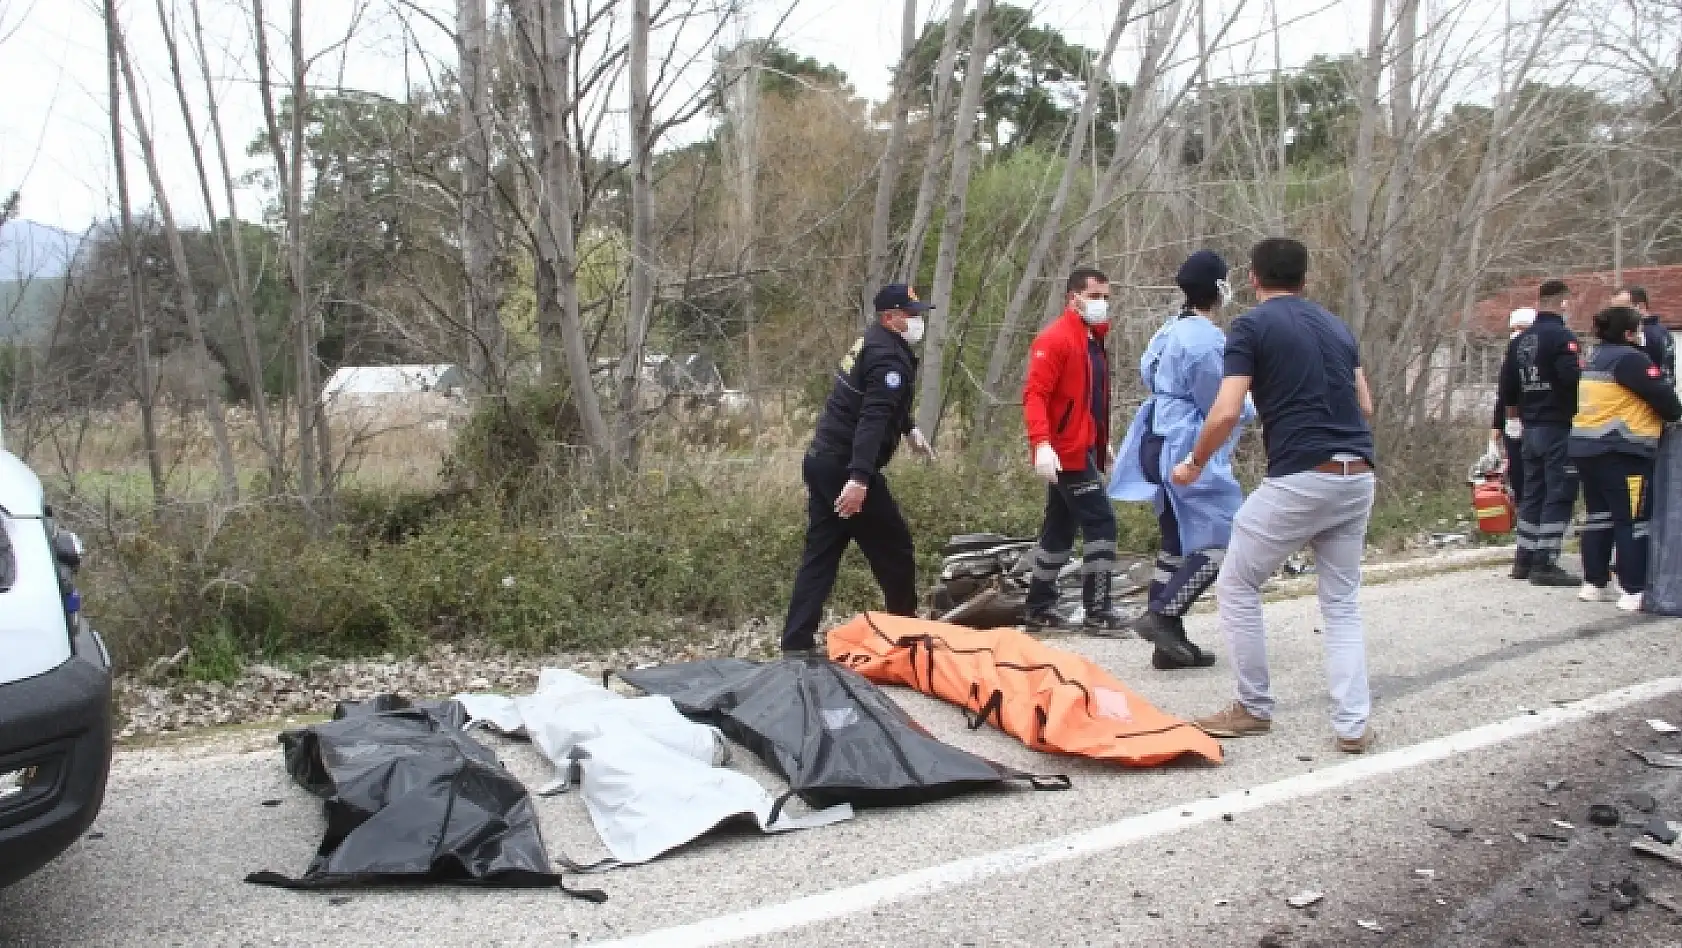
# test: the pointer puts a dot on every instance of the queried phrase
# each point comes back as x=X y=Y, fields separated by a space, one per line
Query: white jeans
x=1327 y=512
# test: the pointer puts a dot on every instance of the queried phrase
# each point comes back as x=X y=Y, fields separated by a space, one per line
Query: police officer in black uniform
x=1539 y=387
x=847 y=498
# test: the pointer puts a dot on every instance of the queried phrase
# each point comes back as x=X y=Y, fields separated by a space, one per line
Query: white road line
x=850 y=900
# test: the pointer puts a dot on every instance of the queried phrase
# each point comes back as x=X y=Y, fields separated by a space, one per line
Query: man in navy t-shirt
x=1302 y=367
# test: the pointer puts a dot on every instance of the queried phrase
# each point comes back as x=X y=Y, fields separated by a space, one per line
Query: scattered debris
x=270 y=803
x=1661 y=831
x=1589 y=918
x=1663 y=727
x=1222 y=903
x=341 y=900
x=1274 y=940
x=1440 y=540
x=1602 y=814
x=1154 y=914
x=1226 y=817
x=1306 y=758
x=1452 y=827
x=1670 y=852
x=1442 y=901
x=1656 y=759
x=1554 y=786
x=1304 y=899
x=1550 y=837
x=1665 y=902
x=1625 y=895
x=1373 y=927
x=1562 y=824
x=1521 y=837
x=95 y=835
x=1643 y=802
x=1425 y=873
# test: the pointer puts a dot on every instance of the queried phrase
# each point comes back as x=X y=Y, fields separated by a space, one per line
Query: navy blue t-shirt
x=1301 y=361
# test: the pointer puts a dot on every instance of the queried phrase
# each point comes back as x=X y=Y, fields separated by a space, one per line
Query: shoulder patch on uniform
x=893 y=379
x=1571 y=346
x=1653 y=372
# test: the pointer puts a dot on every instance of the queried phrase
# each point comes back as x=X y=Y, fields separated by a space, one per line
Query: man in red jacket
x=1066 y=408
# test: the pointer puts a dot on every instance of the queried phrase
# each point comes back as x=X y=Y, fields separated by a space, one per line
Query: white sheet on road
x=652 y=780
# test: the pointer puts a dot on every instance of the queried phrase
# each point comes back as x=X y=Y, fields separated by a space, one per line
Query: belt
x=1356 y=466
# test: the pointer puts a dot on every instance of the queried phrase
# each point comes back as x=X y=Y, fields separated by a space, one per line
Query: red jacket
x=1057 y=394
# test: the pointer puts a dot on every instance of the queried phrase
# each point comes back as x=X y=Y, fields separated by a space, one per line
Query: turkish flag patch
x=1654 y=373
x=1571 y=346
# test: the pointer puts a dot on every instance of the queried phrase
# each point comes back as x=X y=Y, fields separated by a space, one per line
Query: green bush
x=400 y=571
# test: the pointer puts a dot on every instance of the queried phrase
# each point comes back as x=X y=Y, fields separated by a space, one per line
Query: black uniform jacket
x=869 y=409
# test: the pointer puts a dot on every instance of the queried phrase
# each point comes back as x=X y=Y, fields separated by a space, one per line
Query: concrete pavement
x=1449 y=653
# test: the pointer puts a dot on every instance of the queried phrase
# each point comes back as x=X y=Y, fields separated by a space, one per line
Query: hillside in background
x=34 y=259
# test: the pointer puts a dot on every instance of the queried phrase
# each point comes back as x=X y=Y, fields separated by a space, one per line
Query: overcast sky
x=53 y=124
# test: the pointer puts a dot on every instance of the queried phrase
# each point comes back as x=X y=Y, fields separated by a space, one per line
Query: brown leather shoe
x=1357 y=745
x=1234 y=721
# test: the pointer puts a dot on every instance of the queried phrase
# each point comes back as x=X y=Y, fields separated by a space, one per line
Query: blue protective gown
x=1182 y=370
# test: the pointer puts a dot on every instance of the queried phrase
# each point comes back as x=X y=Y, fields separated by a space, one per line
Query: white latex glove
x=1514 y=429
x=920 y=444
x=1046 y=464
x=1491 y=460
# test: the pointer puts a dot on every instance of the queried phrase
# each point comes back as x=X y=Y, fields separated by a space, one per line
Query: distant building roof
x=1589 y=293
x=390 y=380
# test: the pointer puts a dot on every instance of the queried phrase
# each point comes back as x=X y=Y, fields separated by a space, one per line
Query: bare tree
x=546 y=49
x=137 y=305
x=642 y=231
x=887 y=178
x=209 y=384
x=232 y=267
x=940 y=120
x=487 y=343
x=932 y=377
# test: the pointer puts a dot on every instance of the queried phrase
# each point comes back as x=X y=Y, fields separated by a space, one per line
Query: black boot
x=1550 y=574
x=1163 y=661
x=1040 y=613
x=1101 y=615
x=1173 y=649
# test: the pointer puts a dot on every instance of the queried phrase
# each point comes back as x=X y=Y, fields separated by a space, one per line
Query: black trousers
x=1515 y=468
x=1550 y=491
x=880 y=531
x=1076 y=502
x=1617 y=492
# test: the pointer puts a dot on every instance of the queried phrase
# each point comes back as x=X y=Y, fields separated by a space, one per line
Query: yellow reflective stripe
x=1636 y=485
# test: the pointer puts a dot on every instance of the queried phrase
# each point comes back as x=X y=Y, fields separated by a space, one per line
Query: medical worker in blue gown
x=1182 y=369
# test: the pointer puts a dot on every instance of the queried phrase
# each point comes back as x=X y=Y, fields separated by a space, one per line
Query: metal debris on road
x=1656 y=759
x=1644 y=802
x=1661 y=831
x=1665 y=902
x=1553 y=786
x=1425 y=873
x=1304 y=899
x=1602 y=814
x=1663 y=727
x=1452 y=827
x=1588 y=918
x=1670 y=852
x=1373 y=927
x=1521 y=837
x=1625 y=895
x=1562 y=824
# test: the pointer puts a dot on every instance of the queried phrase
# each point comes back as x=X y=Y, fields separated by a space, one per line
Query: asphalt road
x=1475 y=676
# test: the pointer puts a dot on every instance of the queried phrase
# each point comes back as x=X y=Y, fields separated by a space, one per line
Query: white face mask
x=1095 y=312
x=913 y=329
x=1223 y=293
